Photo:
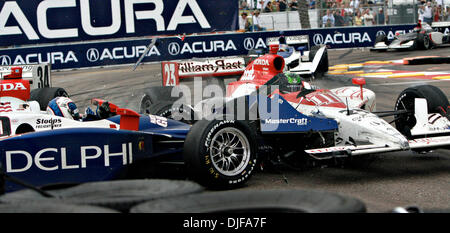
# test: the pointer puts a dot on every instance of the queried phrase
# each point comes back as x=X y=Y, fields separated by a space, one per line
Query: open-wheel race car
x=267 y=113
x=423 y=36
x=271 y=113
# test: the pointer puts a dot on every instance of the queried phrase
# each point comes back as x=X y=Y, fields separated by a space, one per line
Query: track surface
x=390 y=180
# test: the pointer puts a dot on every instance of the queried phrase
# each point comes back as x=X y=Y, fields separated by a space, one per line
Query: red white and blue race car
x=267 y=114
x=281 y=116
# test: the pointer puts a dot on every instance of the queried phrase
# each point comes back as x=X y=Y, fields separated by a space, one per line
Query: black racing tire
x=50 y=207
x=146 y=102
x=119 y=195
x=255 y=201
x=436 y=101
x=381 y=38
x=154 y=95
x=423 y=41
x=182 y=113
x=203 y=140
x=44 y=95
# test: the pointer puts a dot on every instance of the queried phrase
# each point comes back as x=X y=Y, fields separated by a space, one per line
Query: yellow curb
x=375 y=73
x=406 y=75
x=354 y=72
x=336 y=72
x=338 y=65
x=442 y=77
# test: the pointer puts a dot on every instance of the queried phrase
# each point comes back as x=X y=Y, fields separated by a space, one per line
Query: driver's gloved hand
x=90 y=115
x=104 y=110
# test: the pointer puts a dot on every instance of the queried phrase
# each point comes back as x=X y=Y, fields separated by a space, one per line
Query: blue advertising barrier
x=38 y=21
x=79 y=55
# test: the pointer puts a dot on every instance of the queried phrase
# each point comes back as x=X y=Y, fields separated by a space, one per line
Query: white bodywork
x=38 y=75
x=360 y=131
x=28 y=113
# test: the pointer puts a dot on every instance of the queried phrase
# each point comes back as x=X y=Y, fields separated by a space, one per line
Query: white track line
x=404 y=83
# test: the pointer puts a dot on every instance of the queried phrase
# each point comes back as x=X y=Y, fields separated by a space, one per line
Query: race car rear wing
x=173 y=72
x=310 y=67
x=38 y=75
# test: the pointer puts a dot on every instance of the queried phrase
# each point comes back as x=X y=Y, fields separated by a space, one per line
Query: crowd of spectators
x=340 y=13
x=268 y=6
x=433 y=11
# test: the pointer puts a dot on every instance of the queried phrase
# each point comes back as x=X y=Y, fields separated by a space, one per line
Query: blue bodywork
x=78 y=155
x=289 y=120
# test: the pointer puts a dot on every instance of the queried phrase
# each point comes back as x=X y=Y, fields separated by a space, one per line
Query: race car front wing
x=346 y=151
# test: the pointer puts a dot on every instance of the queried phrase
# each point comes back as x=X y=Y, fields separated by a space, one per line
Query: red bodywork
x=264 y=68
x=259 y=71
x=12 y=85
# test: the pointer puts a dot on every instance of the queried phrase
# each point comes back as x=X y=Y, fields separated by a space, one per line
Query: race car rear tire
x=44 y=95
x=436 y=101
x=167 y=109
x=220 y=154
x=255 y=201
x=119 y=195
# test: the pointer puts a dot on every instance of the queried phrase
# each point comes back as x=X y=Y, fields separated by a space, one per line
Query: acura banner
x=95 y=54
x=53 y=21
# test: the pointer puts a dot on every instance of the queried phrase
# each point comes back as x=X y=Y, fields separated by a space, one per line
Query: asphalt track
x=388 y=181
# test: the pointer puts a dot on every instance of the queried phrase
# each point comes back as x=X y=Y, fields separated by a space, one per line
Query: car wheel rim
x=230 y=151
x=426 y=42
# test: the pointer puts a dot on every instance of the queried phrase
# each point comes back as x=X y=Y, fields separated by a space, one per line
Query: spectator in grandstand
x=354 y=4
x=348 y=20
x=293 y=6
x=446 y=14
x=380 y=16
x=437 y=13
x=357 y=20
x=428 y=13
x=251 y=4
x=347 y=8
x=244 y=22
x=326 y=17
x=368 y=18
x=256 y=22
x=268 y=8
x=282 y=5
x=328 y=24
x=261 y=5
x=420 y=12
x=338 y=18
x=312 y=4
x=244 y=6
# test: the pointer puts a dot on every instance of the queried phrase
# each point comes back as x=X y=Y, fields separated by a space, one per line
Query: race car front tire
x=255 y=201
x=436 y=101
x=119 y=195
x=220 y=154
x=423 y=42
x=44 y=95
